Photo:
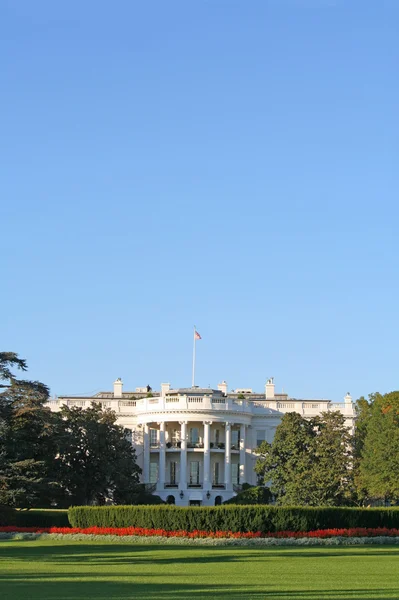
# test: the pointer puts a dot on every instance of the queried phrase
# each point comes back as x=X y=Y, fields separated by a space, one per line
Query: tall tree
x=332 y=463
x=288 y=460
x=377 y=477
x=363 y=415
x=26 y=443
x=309 y=461
x=95 y=461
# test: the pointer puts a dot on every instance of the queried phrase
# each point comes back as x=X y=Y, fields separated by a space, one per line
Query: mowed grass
x=65 y=570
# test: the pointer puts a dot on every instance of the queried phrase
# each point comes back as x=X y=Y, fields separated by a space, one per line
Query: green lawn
x=30 y=570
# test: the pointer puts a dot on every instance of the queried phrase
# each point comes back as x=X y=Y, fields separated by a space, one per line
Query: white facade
x=196 y=446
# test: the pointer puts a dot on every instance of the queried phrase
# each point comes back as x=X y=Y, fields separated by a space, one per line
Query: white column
x=242 y=454
x=183 y=455
x=162 y=456
x=207 y=455
x=227 y=457
x=146 y=456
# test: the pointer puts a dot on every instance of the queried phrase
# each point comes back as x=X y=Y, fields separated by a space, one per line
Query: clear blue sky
x=223 y=163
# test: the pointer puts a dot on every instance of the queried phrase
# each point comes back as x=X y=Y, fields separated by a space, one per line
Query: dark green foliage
x=232 y=518
x=42 y=518
x=33 y=518
x=143 y=498
x=95 y=462
x=377 y=448
x=309 y=461
x=252 y=495
x=57 y=459
x=7 y=515
x=26 y=441
x=246 y=486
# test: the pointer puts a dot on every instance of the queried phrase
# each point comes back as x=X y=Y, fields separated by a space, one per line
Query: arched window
x=218 y=500
x=170 y=500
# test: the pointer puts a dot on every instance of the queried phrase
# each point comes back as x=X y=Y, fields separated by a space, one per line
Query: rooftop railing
x=206 y=402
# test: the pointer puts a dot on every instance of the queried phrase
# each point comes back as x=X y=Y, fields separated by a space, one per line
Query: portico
x=202 y=455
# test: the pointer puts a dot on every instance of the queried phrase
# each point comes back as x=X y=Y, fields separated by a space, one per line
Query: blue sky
x=222 y=163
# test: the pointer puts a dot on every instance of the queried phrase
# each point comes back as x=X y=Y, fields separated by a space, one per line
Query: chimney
x=165 y=387
x=269 y=389
x=118 y=385
x=222 y=387
x=348 y=398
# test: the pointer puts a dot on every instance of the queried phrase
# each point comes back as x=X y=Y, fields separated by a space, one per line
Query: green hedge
x=36 y=517
x=232 y=517
x=7 y=516
x=43 y=517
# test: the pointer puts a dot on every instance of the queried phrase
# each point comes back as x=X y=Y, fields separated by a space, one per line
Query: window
x=153 y=437
x=194 y=435
x=194 y=473
x=260 y=437
x=217 y=436
x=129 y=435
x=234 y=437
x=216 y=471
x=172 y=472
x=176 y=435
x=235 y=473
x=153 y=472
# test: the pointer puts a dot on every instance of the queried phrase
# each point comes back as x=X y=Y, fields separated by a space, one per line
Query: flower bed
x=354 y=532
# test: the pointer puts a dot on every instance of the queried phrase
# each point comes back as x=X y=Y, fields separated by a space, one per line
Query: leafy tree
x=332 y=464
x=378 y=461
x=26 y=443
x=309 y=461
x=288 y=460
x=363 y=415
x=95 y=462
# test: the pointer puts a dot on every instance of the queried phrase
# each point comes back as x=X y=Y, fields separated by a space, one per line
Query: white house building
x=196 y=445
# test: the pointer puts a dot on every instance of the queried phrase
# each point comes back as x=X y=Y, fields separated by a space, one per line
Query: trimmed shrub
x=42 y=517
x=144 y=498
x=7 y=515
x=246 y=486
x=235 y=518
x=36 y=517
x=252 y=495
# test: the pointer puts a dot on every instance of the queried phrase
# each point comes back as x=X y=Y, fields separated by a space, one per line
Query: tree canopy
x=309 y=461
x=94 y=462
x=75 y=456
x=26 y=443
x=377 y=448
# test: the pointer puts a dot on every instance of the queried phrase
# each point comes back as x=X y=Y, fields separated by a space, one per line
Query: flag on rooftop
x=197 y=335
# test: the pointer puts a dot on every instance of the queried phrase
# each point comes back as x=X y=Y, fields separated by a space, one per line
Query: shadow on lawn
x=30 y=588
x=111 y=554
x=106 y=582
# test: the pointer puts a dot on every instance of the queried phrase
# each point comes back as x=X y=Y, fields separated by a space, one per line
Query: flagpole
x=193 y=379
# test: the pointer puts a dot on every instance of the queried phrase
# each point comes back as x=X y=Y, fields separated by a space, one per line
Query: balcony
x=195 y=445
x=218 y=486
x=173 y=445
x=183 y=402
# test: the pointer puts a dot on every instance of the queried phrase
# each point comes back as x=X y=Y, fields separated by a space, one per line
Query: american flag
x=197 y=335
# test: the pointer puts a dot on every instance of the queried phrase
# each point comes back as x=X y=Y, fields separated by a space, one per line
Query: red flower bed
x=140 y=531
